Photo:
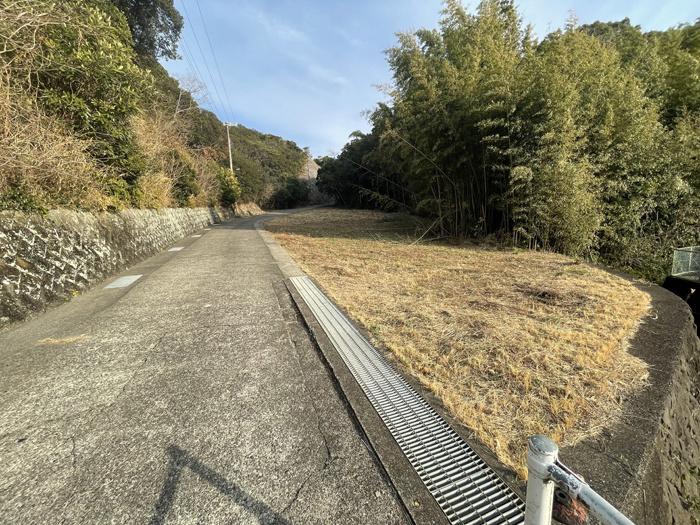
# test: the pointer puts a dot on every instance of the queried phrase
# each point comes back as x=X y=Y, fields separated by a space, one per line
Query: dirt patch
x=513 y=343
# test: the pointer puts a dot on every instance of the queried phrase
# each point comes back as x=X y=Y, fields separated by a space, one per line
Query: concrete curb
x=419 y=503
x=420 y=506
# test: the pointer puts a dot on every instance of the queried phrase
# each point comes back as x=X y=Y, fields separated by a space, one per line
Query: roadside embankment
x=642 y=463
x=49 y=259
x=566 y=329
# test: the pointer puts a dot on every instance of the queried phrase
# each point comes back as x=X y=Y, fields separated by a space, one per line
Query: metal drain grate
x=466 y=488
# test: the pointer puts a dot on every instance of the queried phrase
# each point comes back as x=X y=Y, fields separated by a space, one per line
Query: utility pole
x=228 y=136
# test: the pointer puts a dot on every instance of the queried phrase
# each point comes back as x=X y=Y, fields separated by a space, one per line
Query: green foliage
x=667 y=63
x=86 y=77
x=354 y=179
x=279 y=160
x=185 y=186
x=264 y=163
x=230 y=188
x=155 y=26
x=292 y=192
x=19 y=199
x=73 y=99
x=585 y=143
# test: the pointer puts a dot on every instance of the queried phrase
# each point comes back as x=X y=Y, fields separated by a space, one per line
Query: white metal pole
x=542 y=453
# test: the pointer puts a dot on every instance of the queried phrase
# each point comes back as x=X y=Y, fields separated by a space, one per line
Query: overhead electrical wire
x=216 y=63
x=190 y=62
x=189 y=58
x=204 y=59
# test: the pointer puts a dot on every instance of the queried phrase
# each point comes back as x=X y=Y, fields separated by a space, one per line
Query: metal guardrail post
x=545 y=473
x=542 y=453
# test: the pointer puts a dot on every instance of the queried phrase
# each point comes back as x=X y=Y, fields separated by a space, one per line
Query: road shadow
x=180 y=460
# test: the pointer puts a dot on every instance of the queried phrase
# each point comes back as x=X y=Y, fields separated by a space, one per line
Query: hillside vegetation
x=586 y=142
x=90 y=119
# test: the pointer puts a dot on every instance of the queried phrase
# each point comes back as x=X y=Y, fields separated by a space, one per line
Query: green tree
x=230 y=187
x=453 y=120
x=291 y=193
x=83 y=73
x=585 y=143
x=155 y=26
x=667 y=63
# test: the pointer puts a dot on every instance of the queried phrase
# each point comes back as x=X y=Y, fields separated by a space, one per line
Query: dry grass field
x=514 y=343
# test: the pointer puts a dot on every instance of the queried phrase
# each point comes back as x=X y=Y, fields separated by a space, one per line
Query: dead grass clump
x=66 y=340
x=42 y=158
x=349 y=224
x=156 y=190
x=513 y=343
x=161 y=137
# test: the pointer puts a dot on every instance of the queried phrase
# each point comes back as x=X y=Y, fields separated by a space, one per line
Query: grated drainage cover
x=464 y=486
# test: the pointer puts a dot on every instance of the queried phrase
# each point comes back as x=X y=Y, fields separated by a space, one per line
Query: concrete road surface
x=192 y=395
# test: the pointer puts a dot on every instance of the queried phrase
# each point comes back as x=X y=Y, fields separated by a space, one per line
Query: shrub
x=229 y=187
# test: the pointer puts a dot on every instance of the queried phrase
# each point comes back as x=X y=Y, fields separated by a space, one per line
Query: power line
x=189 y=57
x=216 y=63
x=190 y=62
x=189 y=20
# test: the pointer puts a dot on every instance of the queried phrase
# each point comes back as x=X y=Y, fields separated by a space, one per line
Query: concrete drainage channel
x=467 y=490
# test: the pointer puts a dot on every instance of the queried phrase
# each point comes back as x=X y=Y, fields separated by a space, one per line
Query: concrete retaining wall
x=47 y=259
x=641 y=463
x=677 y=443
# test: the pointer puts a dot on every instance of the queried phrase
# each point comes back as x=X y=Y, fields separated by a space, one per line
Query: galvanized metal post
x=542 y=453
x=601 y=509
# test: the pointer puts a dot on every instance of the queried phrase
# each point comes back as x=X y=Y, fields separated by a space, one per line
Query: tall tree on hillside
x=155 y=26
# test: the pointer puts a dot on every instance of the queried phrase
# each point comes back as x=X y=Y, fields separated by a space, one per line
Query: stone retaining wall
x=48 y=259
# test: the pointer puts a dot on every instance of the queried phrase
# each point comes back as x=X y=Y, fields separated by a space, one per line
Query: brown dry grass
x=161 y=137
x=39 y=156
x=66 y=340
x=513 y=343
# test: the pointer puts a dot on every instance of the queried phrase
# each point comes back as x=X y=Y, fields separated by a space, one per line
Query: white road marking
x=176 y=249
x=123 y=282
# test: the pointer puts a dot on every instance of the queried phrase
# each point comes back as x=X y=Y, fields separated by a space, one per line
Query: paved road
x=191 y=396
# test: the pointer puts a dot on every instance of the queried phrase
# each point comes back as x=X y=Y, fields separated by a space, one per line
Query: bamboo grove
x=585 y=142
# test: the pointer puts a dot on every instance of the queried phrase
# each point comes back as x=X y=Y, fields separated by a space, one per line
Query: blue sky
x=306 y=69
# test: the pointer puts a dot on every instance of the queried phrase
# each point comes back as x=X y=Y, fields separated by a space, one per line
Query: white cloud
x=276 y=28
x=327 y=75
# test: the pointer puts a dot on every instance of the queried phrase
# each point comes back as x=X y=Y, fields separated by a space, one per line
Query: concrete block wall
x=48 y=259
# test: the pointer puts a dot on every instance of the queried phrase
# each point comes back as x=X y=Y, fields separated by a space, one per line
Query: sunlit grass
x=513 y=343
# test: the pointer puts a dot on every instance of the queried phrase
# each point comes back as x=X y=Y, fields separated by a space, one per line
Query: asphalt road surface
x=191 y=395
